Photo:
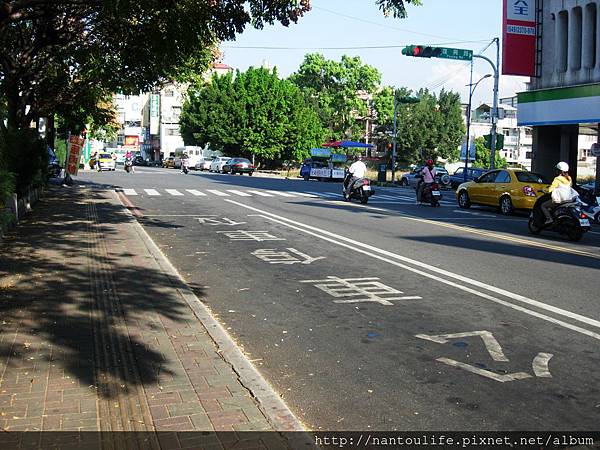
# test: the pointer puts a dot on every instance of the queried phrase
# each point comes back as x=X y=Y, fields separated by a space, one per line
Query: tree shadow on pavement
x=77 y=291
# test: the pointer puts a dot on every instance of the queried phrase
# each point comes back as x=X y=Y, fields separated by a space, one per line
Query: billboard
x=74 y=153
x=519 y=33
x=154 y=113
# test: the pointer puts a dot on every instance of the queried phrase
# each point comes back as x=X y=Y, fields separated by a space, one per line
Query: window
x=488 y=177
x=531 y=177
x=562 y=41
x=503 y=177
x=575 y=38
x=169 y=93
x=172 y=132
x=590 y=33
x=529 y=155
x=459 y=171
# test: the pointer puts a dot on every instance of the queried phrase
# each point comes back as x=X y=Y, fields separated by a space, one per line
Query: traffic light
x=422 y=51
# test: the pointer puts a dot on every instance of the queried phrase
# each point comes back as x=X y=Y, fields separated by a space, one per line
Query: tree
x=338 y=92
x=431 y=128
x=253 y=114
x=482 y=156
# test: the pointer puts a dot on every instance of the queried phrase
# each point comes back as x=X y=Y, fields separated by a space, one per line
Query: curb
x=268 y=401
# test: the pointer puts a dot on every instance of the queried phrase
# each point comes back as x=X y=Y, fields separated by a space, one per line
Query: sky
x=360 y=23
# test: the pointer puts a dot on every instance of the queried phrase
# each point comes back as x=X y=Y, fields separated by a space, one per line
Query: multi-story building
x=562 y=102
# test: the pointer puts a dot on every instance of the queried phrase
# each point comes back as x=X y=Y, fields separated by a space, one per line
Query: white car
x=217 y=164
x=204 y=164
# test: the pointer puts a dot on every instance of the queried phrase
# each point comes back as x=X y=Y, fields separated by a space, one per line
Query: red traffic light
x=417 y=50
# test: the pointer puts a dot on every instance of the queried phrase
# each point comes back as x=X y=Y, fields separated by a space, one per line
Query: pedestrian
x=114 y=158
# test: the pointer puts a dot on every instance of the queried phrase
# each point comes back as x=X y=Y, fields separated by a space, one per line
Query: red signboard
x=519 y=37
x=75 y=146
x=131 y=141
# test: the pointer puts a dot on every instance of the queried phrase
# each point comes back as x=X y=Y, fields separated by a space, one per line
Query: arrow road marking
x=491 y=344
x=485 y=373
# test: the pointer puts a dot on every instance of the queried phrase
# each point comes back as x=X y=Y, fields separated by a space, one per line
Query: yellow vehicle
x=508 y=189
x=106 y=162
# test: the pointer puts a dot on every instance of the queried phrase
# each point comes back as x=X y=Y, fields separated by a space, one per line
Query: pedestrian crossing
x=386 y=197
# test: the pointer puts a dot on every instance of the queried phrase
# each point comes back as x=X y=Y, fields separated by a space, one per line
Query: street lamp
x=472 y=87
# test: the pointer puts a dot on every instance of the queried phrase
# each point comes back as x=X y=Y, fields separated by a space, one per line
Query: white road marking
x=152 y=192
x=304 y=194
x=261 y=193
x=491 y=344
x=540 y=365
x=316 y=194
x=240 y=193
x=283 y=194
x=196 y=193
x=129 y=192
x=329 y=194
x=485 y=373
x=390 y=258
x=174 y=192
x=218 y=193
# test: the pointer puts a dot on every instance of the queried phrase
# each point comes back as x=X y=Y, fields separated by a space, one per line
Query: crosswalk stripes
x=196 y=193
x=218 y=193
x=152 y=192
x=261 y=194
x=304 y=194
x=174 y=192
x=240 y=193
x=283 y=194
x=129 y=192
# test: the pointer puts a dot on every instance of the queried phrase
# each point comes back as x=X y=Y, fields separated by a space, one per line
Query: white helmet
x=562 y=166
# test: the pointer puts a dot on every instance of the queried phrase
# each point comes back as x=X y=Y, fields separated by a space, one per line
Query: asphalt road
x=345 y=308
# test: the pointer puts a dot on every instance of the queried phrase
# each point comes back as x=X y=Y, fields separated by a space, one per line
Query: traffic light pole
x=495 y=106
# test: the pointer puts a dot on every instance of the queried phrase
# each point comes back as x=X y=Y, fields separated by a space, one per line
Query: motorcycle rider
x=563 y=179
x=428 y=177
x=129 y=161
x=184 y=163
x=356 y=171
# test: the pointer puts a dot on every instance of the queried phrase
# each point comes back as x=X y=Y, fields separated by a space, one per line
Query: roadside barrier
x=17 y=208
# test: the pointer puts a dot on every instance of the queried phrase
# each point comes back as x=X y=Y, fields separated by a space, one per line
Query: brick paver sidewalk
x=97 y=335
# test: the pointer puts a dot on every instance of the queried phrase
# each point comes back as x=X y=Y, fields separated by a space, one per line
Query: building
x=562 y=102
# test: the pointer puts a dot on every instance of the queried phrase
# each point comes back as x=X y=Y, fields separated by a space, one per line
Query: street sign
x=424 y=51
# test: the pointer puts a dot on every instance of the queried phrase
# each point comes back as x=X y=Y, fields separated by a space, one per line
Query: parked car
x=309 y=164
x=139 y=161
x=508 y=189
x=203 y=164
x=412 y=178
x=458 y=177
x=217 y=163
x=169 y=163
x=238 y=165
x=106 y=162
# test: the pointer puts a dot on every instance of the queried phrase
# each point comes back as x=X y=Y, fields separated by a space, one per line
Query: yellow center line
x=483 y=233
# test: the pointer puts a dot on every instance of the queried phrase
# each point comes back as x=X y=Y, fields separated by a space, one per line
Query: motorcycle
x=431 y=194
x=360 y=190
x=128 y=165
x=568 y=219
x=184 y=166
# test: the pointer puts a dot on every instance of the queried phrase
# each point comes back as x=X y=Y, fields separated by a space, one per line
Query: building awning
x=560 y=106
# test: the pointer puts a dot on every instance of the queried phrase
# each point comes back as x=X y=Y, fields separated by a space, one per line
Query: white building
x=129 y=114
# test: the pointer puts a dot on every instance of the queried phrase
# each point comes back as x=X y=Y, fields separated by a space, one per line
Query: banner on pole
x=74 y=153
x=519 y=37
x=463 y=150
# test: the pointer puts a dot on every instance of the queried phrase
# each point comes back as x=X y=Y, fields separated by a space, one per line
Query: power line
x=359 y=47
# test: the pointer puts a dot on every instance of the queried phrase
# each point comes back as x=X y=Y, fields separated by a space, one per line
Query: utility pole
x=495 y=108
x=395 y=140
x=472 y=87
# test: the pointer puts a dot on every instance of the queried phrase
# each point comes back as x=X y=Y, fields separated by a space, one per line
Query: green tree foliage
x=253 y=113
x=429 y=129
x=482 y=156
x=337 y=91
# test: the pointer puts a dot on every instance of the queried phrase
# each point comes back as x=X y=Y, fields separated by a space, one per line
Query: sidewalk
x=98 y=333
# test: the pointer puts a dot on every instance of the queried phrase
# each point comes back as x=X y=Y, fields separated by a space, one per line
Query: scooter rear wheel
x=533 y=227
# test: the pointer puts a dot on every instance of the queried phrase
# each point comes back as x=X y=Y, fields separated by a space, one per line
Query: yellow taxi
x=508 y=189
x=106 y=162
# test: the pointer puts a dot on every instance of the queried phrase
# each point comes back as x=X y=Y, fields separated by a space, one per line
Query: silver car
x=412 y=178
x=217 y=164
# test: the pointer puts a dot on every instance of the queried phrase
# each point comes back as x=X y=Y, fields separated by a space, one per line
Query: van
x=194 y=155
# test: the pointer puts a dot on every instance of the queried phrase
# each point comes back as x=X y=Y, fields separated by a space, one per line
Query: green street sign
x=460 y=54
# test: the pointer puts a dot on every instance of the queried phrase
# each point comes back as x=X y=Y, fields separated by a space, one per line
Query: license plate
x=584 y=222
x=366 y=188
x=436 y=193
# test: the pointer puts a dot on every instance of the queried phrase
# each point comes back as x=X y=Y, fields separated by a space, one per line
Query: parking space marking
x=174 y=192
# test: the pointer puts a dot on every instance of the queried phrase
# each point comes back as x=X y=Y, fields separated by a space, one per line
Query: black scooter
x=431 y=194
x=568 y=219
x=360 y=190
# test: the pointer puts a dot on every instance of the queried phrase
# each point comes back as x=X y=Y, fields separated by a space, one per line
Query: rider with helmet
x=356 y=171
x=563 y=179
x=428 y=177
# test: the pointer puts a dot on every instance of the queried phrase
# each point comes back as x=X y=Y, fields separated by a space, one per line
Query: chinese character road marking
x=368 y=289
x=242 y=235
x=272 y=256
x=209 y=220
x=540 y=362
